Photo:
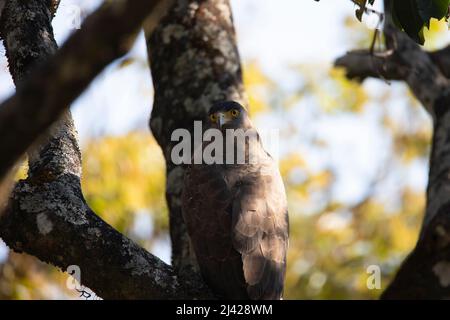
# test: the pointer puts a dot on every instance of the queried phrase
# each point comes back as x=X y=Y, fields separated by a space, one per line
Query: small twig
x=379 y=54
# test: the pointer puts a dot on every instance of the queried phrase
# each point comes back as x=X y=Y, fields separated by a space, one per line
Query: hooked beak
x=221 y=119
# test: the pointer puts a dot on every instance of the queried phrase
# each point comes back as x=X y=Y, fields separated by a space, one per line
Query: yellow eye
x=213 y=117
x=234 y=113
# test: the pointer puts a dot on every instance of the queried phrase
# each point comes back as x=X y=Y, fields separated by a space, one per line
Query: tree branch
x=53 y=222
x=407 y=62
x=47 y=215
x=425 y=274
x=47 y=92
x=362 y=64
x=441 y=59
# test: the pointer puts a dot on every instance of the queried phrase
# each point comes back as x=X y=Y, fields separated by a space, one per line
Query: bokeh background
x=353 y=157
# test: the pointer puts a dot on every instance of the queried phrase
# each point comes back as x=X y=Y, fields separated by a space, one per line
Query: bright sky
x=276 y=33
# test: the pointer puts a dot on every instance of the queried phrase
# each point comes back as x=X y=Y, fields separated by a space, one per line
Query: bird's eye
x=213 y=117
x=234 y=113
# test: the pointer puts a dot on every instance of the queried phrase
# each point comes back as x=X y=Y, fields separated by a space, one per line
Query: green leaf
x=360 y=11
x=362 y=7
x=411 y=16
x=406 y=14
x=432 y=9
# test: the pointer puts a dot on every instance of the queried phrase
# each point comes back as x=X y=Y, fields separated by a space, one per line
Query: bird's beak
x=221 y=119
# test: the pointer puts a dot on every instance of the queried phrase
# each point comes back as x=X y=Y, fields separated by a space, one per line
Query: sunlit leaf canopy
x=348 y=211
x=415 y=15
x=412 y=16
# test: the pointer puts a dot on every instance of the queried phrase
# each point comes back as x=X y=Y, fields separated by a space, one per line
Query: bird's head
x=228 y=115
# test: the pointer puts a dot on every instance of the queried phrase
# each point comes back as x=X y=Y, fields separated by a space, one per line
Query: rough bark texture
x=425 y=273
x=2 y=5
x=52 y=222
x=194 y=62
x=47 y=215
x=53 y=85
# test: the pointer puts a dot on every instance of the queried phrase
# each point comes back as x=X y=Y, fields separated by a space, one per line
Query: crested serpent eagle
x=236 y=213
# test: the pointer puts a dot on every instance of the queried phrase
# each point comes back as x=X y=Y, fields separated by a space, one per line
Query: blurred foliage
x=25 y=277
x=125 y=176
x=436 y=34
x=331 y=90
x=258 y=86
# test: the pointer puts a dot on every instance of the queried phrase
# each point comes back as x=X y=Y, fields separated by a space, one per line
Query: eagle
x=236 y=214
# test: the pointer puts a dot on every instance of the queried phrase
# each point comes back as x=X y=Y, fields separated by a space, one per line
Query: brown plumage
x=237 y=218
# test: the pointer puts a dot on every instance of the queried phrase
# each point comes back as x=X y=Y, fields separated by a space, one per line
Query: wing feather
x=238 y=225
x=260 y=233
x=206 y=203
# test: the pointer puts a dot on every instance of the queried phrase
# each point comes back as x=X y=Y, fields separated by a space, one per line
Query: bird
x=236 y=215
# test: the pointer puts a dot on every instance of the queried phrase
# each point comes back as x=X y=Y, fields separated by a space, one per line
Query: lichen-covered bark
x=47 y=215
x=28 y=39
x=2 y=5
x=425 y=273
x=52 y=221
x=47 y=92
x=194 y=62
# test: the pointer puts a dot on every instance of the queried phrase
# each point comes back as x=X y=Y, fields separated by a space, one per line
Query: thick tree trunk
x=425 y=273
x=47 y=215
x=194 y=62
